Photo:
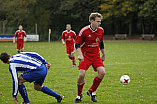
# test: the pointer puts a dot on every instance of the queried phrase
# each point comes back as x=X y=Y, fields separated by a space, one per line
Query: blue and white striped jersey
x=24 y=62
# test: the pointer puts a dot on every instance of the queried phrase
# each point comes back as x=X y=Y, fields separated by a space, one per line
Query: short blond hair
x=94 y=15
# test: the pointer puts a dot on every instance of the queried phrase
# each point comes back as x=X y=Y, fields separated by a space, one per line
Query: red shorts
x=88 y=61
x=20 y=45
x=70 y=48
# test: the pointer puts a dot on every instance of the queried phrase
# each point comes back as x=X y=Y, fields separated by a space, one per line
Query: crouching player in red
x=69 y=37
x=20 y=34
x=34 y=68
x=88 y=41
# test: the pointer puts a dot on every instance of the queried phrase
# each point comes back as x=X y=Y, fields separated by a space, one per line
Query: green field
x=138 y=60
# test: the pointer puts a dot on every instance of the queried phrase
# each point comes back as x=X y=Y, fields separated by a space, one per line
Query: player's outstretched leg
x=96 y=82
x=52 y=93
x=23 y=93
x=48 y=91
x=91 y=91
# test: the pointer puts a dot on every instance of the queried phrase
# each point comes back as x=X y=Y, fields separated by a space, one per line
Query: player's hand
x=103 y=57
x=48 y=65
x=13 y=41
x=81 y=58
x=15 y=100
x=25 y=40
x=63 y=43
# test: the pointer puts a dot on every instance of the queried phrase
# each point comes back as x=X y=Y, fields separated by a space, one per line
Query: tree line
x=119 y=16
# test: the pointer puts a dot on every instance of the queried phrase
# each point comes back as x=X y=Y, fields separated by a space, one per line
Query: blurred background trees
x=132 y=17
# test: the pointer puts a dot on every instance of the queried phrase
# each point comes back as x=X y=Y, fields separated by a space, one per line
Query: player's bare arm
x=13 y=39
x=80 y=55
x=63 y=42
x=101 y=46
x=103 y=54
x=25 y=39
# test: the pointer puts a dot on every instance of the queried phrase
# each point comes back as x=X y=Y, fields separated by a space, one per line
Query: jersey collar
x=68 y=32
x=92 y=29
x=20 y=31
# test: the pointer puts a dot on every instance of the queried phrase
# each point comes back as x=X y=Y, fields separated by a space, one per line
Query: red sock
x=80 y=87
x=73 y=59
x=96 y=83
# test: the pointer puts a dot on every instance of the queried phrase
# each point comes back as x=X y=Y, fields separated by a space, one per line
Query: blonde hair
x=94 y=15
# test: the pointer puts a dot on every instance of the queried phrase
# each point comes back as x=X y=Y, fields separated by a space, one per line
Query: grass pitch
x=138 y=60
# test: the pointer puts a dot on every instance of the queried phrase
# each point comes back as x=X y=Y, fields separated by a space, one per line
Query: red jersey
x=89 y=40
x=69 y=36
x=20 y=35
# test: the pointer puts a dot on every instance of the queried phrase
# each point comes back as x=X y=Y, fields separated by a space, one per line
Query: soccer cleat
x=92 y=95
x=73 y=65
x=25 y=103
x=78 y=99
x=61 y=97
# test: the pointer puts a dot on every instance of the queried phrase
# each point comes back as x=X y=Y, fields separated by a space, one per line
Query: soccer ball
x=125 y=79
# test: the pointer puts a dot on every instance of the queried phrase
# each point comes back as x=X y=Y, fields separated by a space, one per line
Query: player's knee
x=101 y=71
x=38 y=88
x=20 y=80
x=81 y=75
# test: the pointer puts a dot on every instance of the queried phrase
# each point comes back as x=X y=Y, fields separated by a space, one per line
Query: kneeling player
x=35 y=70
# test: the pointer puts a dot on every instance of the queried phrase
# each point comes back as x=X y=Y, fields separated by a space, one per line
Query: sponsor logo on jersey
x=93 y=45
x=97 y=39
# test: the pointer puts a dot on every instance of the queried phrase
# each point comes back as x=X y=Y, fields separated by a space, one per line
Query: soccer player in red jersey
x=20 y=34
x=88 y=42
x=69 y=37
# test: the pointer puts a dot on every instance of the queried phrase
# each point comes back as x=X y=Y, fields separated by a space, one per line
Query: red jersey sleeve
x=74 y=35
x=25 y=34
x=80 y=37
x=63 y=35
x=15 y=34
